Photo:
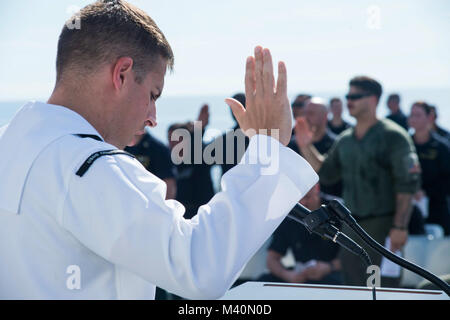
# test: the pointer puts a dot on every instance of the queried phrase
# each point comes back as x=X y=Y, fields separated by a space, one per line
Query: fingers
x=250 y=80
x=203 y=116
x=303 y=135
x=264 y=76
x=204 y=111
x=259 y=74
x=259 y=85
x=282 y=79
x=301 y=125
x=268 y=79
x=265 y=109
x=237 y=108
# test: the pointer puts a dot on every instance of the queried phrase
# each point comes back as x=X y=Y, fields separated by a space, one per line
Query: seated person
x=316 y=258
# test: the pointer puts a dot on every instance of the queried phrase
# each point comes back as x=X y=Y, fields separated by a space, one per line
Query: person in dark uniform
x=315 y=113
x=435 y=127
x=194 y=183
x=316 y=257
x=434 y=157
x=155 y=157
x=298 y=107
x=337 y=124
x=299 y=104
x=393 y=103
x=232 y=144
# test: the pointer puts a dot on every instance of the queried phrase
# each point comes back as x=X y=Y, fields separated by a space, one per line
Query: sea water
x=173 y=109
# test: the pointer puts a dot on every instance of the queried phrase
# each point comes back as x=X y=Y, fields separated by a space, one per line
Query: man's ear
x=122 y=71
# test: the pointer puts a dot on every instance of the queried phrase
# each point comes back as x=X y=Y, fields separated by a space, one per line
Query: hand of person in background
x=398 y=239
x=303 y=133
x=419 y=195
x=204 y=115
x=267 y=106
x=296 y=276
x=318 y=271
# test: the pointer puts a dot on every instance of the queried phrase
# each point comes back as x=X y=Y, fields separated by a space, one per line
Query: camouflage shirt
x=373 y=169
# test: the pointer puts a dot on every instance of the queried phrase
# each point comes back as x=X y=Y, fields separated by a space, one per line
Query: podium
x=288 y=291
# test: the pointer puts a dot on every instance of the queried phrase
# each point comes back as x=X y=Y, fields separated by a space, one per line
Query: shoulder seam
x=91 y=159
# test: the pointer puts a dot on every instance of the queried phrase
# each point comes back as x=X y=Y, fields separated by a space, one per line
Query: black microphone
x=318 y=222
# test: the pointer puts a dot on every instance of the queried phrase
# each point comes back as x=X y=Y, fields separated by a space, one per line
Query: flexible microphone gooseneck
x=318 y=222
x=342 y=213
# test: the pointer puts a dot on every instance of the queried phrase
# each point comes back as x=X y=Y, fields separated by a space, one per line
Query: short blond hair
x=108 y=30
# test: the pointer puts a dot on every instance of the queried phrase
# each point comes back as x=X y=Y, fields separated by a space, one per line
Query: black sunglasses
x=357 y=96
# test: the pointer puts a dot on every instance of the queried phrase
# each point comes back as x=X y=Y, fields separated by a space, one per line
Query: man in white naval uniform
x=76 y=226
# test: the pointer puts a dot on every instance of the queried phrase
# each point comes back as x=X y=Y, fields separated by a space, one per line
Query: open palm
x=303 y=133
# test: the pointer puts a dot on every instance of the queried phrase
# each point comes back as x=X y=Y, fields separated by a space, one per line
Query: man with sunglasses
x=379 y=167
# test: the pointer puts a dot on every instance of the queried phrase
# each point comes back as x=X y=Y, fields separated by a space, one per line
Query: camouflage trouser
x=353 y=268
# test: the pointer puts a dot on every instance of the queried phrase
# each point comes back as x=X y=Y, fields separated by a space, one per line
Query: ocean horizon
x=172 y=109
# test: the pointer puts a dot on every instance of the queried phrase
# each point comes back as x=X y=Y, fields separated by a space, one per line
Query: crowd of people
x=81 y=218
x=393 y=174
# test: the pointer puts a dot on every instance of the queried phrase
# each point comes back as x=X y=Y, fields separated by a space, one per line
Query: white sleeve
x=117 y=209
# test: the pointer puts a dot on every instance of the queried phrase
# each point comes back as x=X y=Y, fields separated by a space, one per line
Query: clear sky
x=404 y=44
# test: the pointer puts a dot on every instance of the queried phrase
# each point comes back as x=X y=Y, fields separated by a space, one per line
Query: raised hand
x=204 y=115
x=303 y=134
x=267 y=106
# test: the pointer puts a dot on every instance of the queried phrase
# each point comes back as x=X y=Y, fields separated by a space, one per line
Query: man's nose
x=151 y=123
x=151 y=117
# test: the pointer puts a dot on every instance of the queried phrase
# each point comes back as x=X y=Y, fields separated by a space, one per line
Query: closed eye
x=154 y=97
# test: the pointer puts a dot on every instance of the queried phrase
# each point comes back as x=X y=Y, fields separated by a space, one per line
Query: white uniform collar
x=34 y=126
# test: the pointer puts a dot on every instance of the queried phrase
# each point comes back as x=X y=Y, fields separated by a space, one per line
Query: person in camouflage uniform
x=379 y=167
